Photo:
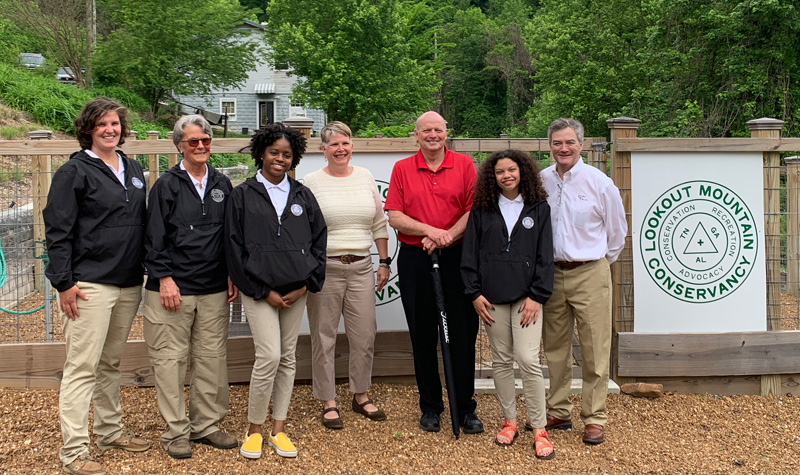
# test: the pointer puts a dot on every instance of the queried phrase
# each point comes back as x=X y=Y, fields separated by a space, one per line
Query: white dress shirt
x=279 y=194
x=510 y=209
x=199 y=185
x=587 y=214
x=119 y=172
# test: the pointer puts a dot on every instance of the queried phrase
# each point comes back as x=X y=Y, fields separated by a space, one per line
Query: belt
x=347 y=258
x=564 y=265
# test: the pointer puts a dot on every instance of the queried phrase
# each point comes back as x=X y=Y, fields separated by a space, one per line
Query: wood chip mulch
x=673 y=434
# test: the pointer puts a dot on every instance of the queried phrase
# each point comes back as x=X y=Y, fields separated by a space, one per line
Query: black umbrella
x=444 y=339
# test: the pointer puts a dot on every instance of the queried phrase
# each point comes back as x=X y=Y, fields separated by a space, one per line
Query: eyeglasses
x=195 y=142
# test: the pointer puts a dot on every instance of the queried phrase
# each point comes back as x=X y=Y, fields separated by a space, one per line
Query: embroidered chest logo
x=527 y=222
x=297 y=210
x=137 y=183
x=217 y=195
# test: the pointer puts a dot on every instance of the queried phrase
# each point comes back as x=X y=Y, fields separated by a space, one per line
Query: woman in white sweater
x=351 y=205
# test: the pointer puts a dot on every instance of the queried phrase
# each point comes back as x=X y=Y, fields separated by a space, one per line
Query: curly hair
x=487 y=191
x=268 y=135
x=91 y=114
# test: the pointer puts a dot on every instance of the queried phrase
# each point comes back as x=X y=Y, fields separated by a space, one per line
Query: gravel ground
x=674 y=434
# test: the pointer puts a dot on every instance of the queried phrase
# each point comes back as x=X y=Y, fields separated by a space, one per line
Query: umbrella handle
x=435 y=259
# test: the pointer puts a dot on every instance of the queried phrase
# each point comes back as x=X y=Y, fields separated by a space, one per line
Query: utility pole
x=91 y=39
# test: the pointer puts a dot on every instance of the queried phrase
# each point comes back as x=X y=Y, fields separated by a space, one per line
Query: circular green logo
x=699 y=241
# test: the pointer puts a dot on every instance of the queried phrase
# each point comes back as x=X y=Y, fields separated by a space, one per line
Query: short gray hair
x=193 y=119
x=562 y=123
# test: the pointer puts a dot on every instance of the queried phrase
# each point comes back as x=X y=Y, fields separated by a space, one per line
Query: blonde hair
x=334 y=127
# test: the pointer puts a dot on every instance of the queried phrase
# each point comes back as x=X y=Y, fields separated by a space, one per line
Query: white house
x=262 y=100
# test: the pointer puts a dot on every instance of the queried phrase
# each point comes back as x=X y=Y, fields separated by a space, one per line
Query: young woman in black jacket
x=507 y=268
x=275 y=238
x=94 y=225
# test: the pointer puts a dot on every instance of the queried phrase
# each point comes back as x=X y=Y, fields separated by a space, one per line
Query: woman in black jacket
x=94 y=225
x=507 y=268
x=275 y=238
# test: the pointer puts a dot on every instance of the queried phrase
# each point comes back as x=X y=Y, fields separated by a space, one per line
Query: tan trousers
x=349 y=291
x=199 y=328
x=94 y=343
x=275 y=340
x=507 y=337
x=581 y=295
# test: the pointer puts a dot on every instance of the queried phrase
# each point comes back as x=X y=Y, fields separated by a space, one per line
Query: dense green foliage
x=684 y=67
x=354 y=61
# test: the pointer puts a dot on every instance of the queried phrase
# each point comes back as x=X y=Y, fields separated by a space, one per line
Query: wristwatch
x=387 y=261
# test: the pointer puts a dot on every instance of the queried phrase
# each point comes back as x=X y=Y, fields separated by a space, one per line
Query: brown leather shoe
x=593 y=434
x=556 y=423
x=84 y=465
x=374 y=415
x=335 y=423
x=219 y=440
x=126 y=441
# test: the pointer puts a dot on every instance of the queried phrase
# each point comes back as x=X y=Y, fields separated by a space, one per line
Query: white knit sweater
x=352 y=209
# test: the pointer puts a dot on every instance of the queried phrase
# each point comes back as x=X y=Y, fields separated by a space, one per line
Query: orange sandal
x=544 y=441
x=509 y=431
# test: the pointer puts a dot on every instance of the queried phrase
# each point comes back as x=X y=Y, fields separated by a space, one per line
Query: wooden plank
x=708 y=354
x=708 y=144
x=39 y=365
x=496 y=144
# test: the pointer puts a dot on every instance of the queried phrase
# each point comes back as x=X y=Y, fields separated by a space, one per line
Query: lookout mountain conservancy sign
x=697 y=233
x=698 y=241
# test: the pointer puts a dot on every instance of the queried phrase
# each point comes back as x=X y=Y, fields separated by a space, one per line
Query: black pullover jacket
x=184 y=236
x=506 y=269
x=266 y=254
x=94 y=225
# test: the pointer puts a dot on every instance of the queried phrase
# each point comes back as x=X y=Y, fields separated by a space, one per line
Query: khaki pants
x=199 y=329
x=275 y=340
x=94 y=343
x=349 y=291
x=581 y=295
x=507 y=337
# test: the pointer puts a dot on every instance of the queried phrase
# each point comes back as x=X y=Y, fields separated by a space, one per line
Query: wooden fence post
x=42 y=169
x=793 y=225
x=622 y=270
x=771 y=128
x=172 y=158
x=303 y=124
x=152 y=160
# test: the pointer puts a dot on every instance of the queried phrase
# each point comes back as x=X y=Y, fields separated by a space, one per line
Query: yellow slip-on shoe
x=282 y=445
x=251 y=447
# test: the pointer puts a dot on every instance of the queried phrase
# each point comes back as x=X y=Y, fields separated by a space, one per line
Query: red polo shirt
x=437 y=198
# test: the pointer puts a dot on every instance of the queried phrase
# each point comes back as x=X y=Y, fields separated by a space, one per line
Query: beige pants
x=199 y=329
x=581 y=295
x=507 y=337
x=94 y=343
x=349 y=291
x=275 y=340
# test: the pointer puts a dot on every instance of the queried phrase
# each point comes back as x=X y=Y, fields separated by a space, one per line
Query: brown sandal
x=509 y=431
x=374 y=415
x=544 y=441
x=334 y=424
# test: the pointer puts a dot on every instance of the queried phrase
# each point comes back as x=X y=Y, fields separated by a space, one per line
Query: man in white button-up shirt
x=589 y=230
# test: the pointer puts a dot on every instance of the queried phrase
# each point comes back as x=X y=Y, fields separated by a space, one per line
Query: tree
x=189 y=47
x=351 y=58
x=61 y=26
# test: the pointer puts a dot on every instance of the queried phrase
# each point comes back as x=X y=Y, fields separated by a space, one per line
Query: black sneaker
x=430 y=422
x=471 y=424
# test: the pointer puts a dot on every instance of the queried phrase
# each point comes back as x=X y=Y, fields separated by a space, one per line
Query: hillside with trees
x=685 y=67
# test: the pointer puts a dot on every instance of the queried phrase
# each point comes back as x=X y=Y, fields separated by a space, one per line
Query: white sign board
x=698 y=242
x=389 y=309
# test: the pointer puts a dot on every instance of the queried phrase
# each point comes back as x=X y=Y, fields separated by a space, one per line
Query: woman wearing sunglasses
x=186 y=304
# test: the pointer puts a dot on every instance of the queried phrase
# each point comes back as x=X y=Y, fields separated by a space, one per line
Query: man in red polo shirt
x=430 y=195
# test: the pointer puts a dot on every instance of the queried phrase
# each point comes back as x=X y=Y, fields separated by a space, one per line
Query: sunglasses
x=195 y=142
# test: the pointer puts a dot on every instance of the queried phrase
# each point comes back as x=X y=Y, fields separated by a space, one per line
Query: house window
x=297 y=109
x=281 y=66
x=228 y=106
